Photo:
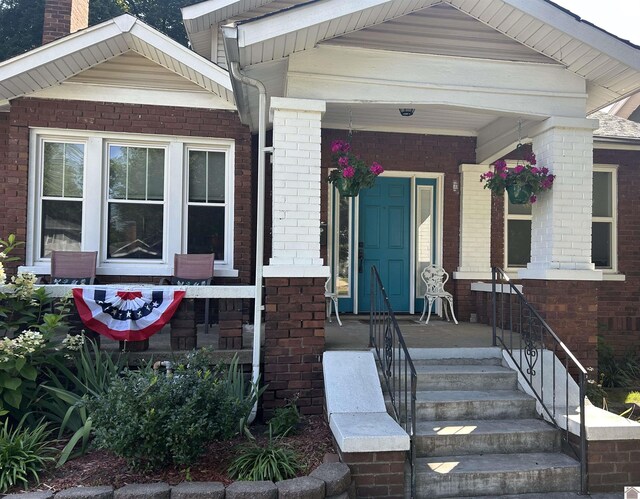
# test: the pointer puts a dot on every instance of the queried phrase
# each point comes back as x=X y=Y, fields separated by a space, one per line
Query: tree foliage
x=21 y=20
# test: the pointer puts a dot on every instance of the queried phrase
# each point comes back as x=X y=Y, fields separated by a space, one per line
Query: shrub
x=614 y=372
x=24 y=452
x=153 y=419
x=273 y=461
x=285 y=419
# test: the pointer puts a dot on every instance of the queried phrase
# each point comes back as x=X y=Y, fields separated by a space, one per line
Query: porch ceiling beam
x=500 y=137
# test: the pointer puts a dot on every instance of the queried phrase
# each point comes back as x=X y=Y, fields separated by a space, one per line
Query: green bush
x=24 y=452
x=153 y=419
x=285 y=419
x=273 y=461
x=617 y=372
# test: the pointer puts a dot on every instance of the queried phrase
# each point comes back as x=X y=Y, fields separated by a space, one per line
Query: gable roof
x=56 y=62
x=615 y=127
x=610 y=65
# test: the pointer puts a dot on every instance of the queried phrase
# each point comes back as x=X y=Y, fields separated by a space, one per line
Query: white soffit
x=58 y=61
x=610 y=66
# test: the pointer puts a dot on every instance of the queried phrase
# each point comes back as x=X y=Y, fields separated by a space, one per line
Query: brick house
x=476 y=78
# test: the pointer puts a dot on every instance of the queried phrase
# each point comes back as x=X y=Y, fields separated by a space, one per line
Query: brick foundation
x=377 y=474
x=230 y=322
x=294 y=342
x=612 y=464
x=571 y=309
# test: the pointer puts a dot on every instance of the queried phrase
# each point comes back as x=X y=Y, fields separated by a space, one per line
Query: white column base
x=560 y=274
x=295 y=271
x=471 y=275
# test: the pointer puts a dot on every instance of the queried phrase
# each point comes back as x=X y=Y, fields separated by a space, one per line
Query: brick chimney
x=62 y=17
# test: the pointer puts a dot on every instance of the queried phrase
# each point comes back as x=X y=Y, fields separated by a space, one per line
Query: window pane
x=519 y=243
x=136 y=173
x=61 y=226
x=197 y=176
x=63 y=170
x=117 y=172
x=424 y=232
x=343 y=287
x=215 y=178
x=601 y=244
x=206 y=230
x=602 y=192
x=135 y=231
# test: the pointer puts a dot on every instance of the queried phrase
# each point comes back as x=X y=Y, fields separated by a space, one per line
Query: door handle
x=360 y=257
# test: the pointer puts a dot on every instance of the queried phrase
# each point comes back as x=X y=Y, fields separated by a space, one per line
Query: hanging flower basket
x=519 y=194
x=347 y=188
x=522 y=183
x=351 y=174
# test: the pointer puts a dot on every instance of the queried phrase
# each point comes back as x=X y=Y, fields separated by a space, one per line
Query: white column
x=475 y=225
x=297 y=183
x=561 y=225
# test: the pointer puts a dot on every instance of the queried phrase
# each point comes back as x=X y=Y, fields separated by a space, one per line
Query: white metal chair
x=434 y=278
x=331 y=298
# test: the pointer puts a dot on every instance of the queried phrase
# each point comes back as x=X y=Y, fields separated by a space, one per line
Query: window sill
x=128 y=270
x=611 y=276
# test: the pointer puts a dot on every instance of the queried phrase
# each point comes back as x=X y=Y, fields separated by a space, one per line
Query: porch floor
x=354 y=333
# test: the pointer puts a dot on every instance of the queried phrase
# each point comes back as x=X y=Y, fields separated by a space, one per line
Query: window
x=136 y=199
x=603 y=238
x=603 y=225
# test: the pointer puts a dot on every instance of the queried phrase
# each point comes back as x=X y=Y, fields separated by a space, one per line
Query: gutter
x=230 y=37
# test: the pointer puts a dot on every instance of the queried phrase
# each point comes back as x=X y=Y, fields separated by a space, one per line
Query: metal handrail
x=399 y=373
x=533 y=336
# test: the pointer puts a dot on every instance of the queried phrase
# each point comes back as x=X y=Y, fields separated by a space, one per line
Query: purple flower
x=544 y=170
x=518 y=169
x=337 y=145
x=501 y=164
x=534 y=170
x=488 y=175
x=343 y=161
x=376 y=168
x=533 y=198
x=503 y=174
x=531 y=159
x=348 y=172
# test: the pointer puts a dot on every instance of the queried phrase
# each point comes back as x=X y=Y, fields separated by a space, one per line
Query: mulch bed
x=312 y=441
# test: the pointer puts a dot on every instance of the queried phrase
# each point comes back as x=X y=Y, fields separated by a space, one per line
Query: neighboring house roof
x=628 y=108
x=610 y=65
x=615 y=127
x=53 y=63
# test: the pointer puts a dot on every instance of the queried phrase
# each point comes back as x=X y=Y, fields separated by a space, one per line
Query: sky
x=620 y=17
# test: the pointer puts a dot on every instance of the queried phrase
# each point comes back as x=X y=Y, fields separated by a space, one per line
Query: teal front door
x=384 y=241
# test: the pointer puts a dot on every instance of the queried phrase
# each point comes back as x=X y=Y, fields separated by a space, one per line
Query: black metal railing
x=397 y=368
x=534 y=348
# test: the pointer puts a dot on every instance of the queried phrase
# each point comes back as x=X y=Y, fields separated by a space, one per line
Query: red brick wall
x=110 y=117
x=377 y=474
x=294 y=342
x=612 y=464
x=62 y=17
x=619 y=302
x=416 y=153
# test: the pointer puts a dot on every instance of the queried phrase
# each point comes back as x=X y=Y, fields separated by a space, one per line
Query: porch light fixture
x=407 y=111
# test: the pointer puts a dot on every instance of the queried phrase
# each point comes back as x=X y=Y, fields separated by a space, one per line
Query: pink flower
x=343 y=161
x=348 y=172
x=533 y=198
x=501 y=164
x=488 y=175
x=518 y=169
x=503 y=174
x=337 y=145
x=531 y=159
x=534 y=170
x=376 y=168
x=544 y=170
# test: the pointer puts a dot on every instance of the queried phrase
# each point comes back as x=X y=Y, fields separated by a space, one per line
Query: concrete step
x=466 y=377
x=496 y=474
x=474 y=404
x=499 y=436
x=459 y=356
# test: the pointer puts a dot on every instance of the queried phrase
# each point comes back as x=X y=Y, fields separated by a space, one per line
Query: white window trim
x=96 y=187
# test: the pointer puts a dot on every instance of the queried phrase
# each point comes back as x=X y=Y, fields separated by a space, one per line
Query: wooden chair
x=193 y=270
x=73 y=267
x=331 y=298
x=434 y=278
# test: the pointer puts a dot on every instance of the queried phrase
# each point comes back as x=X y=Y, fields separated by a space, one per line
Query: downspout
x=257 y=311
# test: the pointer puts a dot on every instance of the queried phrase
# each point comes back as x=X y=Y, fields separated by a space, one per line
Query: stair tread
x=493 y=463
x=463 y=369
x=479 y=427
x=543 y=495
x=469 y=395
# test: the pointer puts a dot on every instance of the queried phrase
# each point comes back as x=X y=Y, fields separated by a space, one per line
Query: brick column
x=295 y=276
x=230 y=323
x=377 y=474
x=613 y=464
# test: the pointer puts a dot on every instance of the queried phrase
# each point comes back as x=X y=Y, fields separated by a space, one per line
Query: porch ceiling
x=55 y=62
x=610 y=66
